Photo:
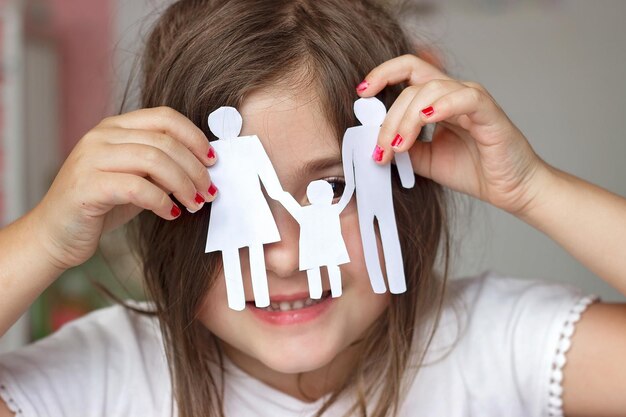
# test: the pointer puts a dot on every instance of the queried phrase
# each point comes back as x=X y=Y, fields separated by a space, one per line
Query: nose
x=282 y=257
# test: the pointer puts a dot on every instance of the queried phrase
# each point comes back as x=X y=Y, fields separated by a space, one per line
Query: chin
x=296 y=356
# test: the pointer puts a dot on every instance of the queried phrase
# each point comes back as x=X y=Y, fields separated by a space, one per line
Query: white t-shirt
x=506 y=361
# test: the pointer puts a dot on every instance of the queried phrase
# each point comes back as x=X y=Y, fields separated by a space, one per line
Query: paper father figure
x=373 y=194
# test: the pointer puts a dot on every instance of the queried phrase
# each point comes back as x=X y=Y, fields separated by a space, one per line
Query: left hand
x=475 y=148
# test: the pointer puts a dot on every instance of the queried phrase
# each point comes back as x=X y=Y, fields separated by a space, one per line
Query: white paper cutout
x=321 y=242
x=240 y=215
x=373 y=194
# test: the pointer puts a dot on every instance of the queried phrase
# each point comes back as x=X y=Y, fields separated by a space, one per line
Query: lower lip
x=283 y=318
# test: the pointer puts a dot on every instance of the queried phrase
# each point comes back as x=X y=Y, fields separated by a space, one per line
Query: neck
x=307 y=386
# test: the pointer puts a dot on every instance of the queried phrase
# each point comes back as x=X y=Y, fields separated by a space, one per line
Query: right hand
x=124 y=165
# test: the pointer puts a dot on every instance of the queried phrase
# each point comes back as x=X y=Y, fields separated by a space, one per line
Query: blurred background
x=555 y=66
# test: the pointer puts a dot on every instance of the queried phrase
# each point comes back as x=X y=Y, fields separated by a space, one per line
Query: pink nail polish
x=212 y=189
x=397 y=141
x=211 y=153
x=378 y=153
x=175 y=212
x=428 y=111
x=362 y=86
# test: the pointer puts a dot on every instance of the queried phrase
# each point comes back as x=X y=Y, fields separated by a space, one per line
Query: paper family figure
x=240 y=215
x=321 y=242
x=373 y=194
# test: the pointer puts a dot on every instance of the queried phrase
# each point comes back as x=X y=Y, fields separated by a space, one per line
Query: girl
x=485 y=346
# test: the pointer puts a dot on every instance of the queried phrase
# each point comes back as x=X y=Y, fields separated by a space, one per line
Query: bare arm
x=4 y=410
x=290 y=204
x=348 y=172
x=590 y=223
x=266 y=172
x=586 y=220
x=25 y=269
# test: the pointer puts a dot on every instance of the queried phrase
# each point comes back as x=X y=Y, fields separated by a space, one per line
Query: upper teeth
x=291 y=305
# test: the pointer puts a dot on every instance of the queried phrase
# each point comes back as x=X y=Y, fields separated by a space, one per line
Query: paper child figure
x=373 y=194
x=240 y=215
x=321 y=243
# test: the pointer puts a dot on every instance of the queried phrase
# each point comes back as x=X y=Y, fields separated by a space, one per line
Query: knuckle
x=387 y=130
x=168 y=143
x=200 y=174
x=107 y=121
x=133 y=189
x=409 y=58
x=165 y=112
x=475 y=94
x=434 y=85
x=475 y=85
x=93 y=134
x=152 y=156
x=411 y=90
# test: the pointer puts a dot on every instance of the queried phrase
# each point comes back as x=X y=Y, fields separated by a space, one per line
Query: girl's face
x=302 y=147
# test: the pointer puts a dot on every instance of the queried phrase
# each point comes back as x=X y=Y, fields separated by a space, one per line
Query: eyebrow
x=317 y=165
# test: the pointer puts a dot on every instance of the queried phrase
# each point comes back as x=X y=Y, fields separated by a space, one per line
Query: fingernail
x=199 y=199
x=212 y=189
x=378 y=154
x=175 y=212
x=362 y=86
x=397 y=141
x=211 y=153
x=428 y=111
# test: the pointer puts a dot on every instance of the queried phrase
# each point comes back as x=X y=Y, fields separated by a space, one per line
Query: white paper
x=374 y=195
x=321 y=242
x=240 y=215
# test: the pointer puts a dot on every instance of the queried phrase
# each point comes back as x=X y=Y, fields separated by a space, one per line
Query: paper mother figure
x=240 y=215
x=373 y=194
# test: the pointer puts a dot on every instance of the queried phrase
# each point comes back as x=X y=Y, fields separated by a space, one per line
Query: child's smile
x=295 y=334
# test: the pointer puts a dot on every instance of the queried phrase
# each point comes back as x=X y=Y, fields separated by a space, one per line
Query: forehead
x=292 y=127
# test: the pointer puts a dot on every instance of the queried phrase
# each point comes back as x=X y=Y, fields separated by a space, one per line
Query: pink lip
x=283 y=318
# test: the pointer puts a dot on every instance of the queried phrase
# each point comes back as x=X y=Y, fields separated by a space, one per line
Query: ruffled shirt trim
x=555 y=400
x=9 y=401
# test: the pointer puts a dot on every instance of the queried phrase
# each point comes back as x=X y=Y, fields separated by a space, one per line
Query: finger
x=406 y=68
x=150 y=161
x=173 y=148
x=118 y=188
x=168 y=121
x=409 y=124
x=421 y=159
x=473 y=108
x=389 y=128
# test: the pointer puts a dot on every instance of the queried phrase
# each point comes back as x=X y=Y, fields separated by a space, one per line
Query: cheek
x=215 y=314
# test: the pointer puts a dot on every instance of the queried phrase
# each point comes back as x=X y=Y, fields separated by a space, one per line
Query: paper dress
x=321 y=242
x=240 y=215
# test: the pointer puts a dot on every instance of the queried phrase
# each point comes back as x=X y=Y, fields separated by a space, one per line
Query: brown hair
x=203 y=54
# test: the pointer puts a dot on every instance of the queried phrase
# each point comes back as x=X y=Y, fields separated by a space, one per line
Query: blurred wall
x=83 y=31
x=557 y=68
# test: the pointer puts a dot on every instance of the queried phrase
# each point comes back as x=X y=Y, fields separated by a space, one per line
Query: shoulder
x=499 y=312
x=102 y=356
x=499 y=341
x=111 y=329
x=113 y=334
